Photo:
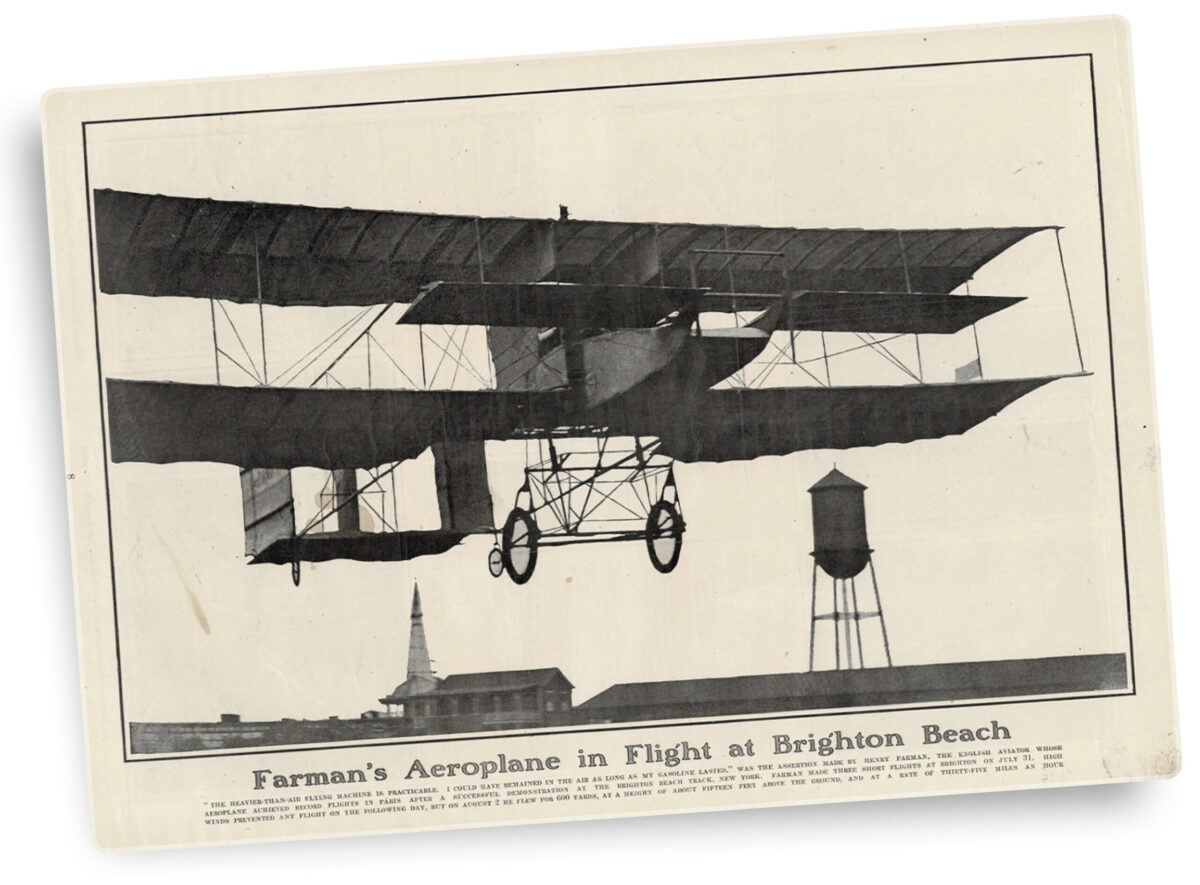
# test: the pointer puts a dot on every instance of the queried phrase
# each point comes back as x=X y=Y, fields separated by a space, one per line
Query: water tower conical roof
x=835 y=479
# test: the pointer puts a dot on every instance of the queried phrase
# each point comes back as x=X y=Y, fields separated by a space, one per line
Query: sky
x=1002 y=543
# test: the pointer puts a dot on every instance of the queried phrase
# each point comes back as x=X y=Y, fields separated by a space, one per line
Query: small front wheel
x=664 y=536
x=495 y=562
x=518 y=545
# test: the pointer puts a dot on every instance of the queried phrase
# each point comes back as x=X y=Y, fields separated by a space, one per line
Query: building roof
x=504 y=679
x=414 y=686
x=476 y=683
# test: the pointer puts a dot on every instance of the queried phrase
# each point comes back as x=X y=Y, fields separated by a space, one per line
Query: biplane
x=599 y=335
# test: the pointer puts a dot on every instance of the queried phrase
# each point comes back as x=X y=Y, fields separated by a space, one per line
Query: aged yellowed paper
x=610 y=434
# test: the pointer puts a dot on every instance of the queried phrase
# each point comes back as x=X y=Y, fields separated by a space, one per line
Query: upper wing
x=548 y=305
x=908 y=313
x=161 y=422
x=741 y=424
x=241 y=251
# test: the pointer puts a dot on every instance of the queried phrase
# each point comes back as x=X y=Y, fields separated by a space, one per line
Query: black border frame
x=333 y=745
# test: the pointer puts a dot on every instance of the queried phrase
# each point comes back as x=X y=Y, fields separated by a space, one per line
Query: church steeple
x=420 y=679
x=419 y=666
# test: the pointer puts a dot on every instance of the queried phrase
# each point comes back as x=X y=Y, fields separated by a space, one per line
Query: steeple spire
x=420 y=670
x=420 y=679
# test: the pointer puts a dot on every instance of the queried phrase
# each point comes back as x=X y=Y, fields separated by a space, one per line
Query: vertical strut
x=395 y=502
x=212 y=310
x=787 y=294
x=262 y=328
x=908 y=287
x=1070 y=306
x=732 y=288
x=421 y=344
x=489 y=381
x=975 y=333
x=479 y=255
x=904 y=261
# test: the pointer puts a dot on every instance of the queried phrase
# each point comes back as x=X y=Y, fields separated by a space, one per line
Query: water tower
x=841 y=550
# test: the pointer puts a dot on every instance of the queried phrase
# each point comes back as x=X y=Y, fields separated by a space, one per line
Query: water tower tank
x=839 y=525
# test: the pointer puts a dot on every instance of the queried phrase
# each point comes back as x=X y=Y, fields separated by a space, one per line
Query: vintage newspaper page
x=611 y=434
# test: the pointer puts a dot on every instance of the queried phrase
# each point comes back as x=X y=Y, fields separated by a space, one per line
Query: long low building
x=836 y=689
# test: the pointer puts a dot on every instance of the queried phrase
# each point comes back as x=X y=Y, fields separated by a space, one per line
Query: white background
x=1107 y=832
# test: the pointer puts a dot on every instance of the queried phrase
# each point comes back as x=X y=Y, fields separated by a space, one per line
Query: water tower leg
x=879 y=608
x=837 y=635
x=812 y=621
x=857 y=621
x=847 y=614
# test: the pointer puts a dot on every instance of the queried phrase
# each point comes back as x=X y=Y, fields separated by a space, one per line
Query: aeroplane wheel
x=495 y=562
x=518 y=545
x=664 y=536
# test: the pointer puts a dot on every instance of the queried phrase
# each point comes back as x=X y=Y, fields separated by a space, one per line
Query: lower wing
x=741 y=424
